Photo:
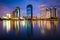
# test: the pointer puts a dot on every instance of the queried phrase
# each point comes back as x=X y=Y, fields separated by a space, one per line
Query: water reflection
x=45 y=26
x=29 y=28
x=6 y=25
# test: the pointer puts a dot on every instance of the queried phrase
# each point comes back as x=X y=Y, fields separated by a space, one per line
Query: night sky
x=7 y=6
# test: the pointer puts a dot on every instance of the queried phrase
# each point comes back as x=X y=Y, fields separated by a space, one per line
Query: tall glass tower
x=29 y=11
x=29 y=22
x=17 y=12
x=53 y=12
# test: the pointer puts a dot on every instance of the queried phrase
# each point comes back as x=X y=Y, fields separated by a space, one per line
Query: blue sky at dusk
x=7 y=6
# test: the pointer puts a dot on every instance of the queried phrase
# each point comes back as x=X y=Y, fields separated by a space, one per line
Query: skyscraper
x=17 y=12
x=48 y=13
x=29 y=11
x=43 y=11
x=53 y=12
x=29 y=22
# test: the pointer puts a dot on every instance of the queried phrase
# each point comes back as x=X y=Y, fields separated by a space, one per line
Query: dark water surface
x=27 y=30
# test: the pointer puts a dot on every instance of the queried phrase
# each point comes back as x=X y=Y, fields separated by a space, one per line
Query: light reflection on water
x=6 y=25
x=39 y=27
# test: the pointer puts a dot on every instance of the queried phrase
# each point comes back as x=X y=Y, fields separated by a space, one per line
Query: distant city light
x=4 y=17
x=8 y=15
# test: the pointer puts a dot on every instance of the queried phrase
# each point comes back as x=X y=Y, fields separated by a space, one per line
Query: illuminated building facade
x=17 y=12
x=48 y=13
x=43 y=11
x=29 y=11
x=53 y=12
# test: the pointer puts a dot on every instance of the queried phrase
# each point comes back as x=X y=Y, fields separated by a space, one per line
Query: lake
x=30 y=30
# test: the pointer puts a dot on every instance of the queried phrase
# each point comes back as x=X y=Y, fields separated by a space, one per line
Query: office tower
x=53 y=12
x=17 y=12
x=48 y=13
x=29 y=22
x=43 y=11
x=29 y=11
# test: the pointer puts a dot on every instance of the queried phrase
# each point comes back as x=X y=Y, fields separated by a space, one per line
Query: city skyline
x=29 y=19
x=8 y=6
x=45 y=12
